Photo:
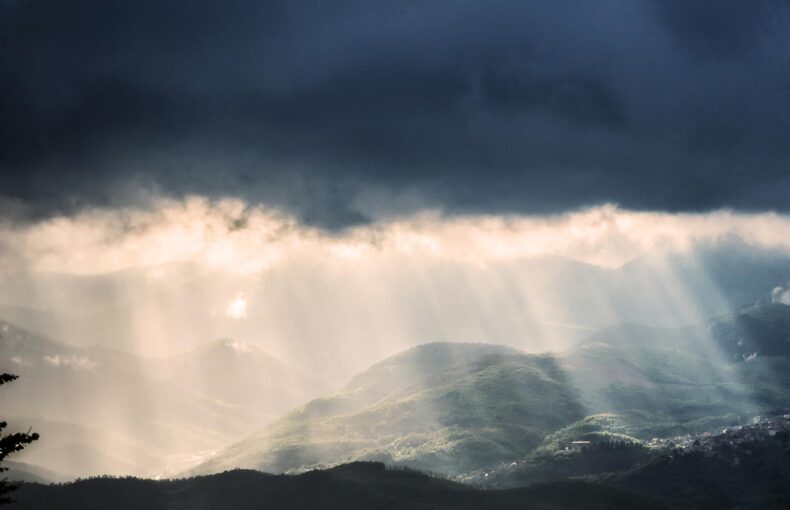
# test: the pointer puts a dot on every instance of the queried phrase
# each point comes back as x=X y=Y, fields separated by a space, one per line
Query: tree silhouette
x=9 y=444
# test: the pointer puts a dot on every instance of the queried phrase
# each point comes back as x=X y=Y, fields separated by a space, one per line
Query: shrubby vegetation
x=10 y=443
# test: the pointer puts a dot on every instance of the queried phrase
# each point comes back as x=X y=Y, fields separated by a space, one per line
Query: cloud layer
x=345 y=112
x=232 y=236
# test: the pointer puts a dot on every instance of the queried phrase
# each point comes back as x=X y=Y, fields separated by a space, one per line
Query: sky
x=373 y=175
x=345 y=113
x=333 y=182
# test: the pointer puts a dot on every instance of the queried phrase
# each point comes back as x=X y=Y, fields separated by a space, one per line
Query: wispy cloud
x=781 y=294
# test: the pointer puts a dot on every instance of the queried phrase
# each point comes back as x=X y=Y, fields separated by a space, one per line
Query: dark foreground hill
x=346 y=487
x=744 y=468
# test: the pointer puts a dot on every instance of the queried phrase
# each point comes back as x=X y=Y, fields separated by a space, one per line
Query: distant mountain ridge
x=445 y=407
x=171 y=409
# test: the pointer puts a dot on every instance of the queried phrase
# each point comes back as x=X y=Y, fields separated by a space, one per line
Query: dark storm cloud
x=335 y=109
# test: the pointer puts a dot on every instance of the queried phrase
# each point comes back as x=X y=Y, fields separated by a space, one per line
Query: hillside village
x=760 y=429
x=603 y=453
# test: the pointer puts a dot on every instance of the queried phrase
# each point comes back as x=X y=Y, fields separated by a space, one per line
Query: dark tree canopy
x=10 y=443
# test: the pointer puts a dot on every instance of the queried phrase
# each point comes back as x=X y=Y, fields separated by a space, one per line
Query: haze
x=480 y=239
x=161 y=280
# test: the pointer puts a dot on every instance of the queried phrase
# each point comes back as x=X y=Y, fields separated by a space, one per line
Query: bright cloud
x=234 y=236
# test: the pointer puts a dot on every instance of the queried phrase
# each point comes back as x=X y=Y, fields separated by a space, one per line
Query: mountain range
x=104 y=411
x=455 y=408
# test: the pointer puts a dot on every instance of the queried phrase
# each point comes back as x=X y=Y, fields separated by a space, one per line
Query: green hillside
x=479 y=405
x=464 y=410
x=461 y=408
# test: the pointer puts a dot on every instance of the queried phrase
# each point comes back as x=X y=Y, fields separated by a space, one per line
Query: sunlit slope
x=102 y=411
x=442 y=407
x=451 y=418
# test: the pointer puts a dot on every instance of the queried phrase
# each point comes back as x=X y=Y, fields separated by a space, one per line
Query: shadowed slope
x=348 y=487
